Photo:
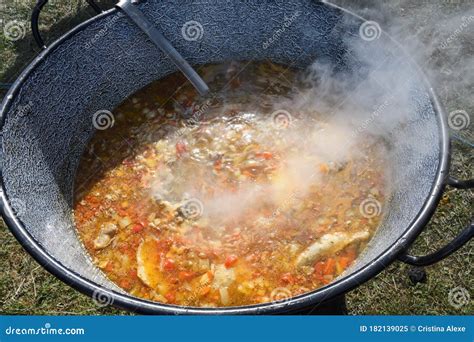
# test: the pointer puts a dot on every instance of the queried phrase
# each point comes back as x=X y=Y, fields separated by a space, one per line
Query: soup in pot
x=243 y=197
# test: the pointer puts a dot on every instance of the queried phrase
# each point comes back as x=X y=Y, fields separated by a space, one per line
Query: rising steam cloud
x=377 y=103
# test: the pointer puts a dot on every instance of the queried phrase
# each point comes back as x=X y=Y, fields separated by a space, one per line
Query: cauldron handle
x=35 y=19
x=459 y=241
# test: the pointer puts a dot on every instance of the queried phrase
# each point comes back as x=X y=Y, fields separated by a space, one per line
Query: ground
x=26 y=288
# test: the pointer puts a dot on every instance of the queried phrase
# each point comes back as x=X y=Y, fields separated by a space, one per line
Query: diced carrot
x=230 y=261
x=205 y=290
x=109 y=267
x=185 y=275
x=215 y=298
x=330 y=266
x=343 y=262
x=210 y=275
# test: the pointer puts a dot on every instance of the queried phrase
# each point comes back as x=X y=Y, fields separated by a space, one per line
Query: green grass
x=26 y=288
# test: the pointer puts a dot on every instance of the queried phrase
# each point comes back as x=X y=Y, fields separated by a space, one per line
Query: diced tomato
x=319 y=268
x=126 y=284
x=137 y=228
x=180 y=148
x=121 y=211
x=287 y=278
x=170 y=297
x=230 y=261
x=132 y=273
x=169 y=264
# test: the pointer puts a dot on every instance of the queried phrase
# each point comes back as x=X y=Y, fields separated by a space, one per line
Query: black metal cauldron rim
x=308 y=300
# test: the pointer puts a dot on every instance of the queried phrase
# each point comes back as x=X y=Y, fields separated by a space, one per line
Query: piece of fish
x=329 y=244
x=148 y=263
x=106 y=233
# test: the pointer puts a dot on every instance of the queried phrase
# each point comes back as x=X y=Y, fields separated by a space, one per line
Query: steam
x=438 y=36
x=378 y=101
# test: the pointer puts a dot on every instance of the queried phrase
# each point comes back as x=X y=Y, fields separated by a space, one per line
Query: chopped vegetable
x=230 y=261
x=218 y=202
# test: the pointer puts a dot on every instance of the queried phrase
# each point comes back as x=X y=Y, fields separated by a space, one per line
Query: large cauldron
x=47 y=121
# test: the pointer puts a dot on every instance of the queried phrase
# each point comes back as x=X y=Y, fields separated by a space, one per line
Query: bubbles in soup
x=236 y=199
